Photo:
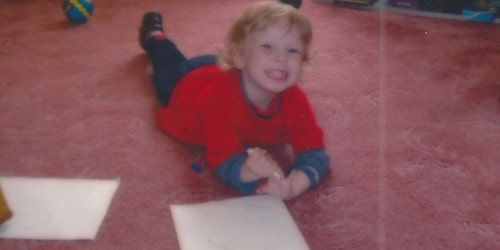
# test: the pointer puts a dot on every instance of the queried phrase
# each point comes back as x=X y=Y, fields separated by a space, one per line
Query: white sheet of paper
x=253 y=222
x=56 y=209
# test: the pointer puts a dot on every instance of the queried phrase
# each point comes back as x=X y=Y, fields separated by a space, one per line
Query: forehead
x=278 y=31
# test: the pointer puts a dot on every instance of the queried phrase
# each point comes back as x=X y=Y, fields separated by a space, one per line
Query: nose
x=280 y=56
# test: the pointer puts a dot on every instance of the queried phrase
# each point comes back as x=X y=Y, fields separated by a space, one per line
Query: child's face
x=272 y=58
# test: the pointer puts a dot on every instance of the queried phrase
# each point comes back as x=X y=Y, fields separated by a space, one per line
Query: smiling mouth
x=277 y=74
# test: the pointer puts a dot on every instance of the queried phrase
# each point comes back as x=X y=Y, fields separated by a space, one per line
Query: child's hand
x=294 y=185
x=259 y=165
x=278 y=187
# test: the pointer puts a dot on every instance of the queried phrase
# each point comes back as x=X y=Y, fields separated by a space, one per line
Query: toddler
x=243 y=100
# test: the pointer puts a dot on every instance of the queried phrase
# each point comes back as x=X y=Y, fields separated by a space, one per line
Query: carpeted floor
x=410 y=107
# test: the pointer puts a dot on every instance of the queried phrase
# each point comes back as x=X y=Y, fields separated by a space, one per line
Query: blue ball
x=78 y=11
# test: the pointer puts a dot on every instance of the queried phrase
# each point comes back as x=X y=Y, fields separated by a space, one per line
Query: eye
x=266 y=46
x=294 y=51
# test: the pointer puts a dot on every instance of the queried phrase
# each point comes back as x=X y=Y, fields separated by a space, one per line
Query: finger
x=278 y=176
x=263 y=189
x=250 y=150
x=272 y=188
x=253 y=150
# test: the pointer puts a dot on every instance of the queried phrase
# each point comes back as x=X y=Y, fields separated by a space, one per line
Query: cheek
x=297 y=64
x=255 y=60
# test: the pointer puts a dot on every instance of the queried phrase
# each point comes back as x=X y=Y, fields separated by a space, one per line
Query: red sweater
x=209 y=108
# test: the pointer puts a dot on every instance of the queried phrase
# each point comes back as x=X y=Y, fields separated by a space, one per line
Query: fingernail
x=275 y=174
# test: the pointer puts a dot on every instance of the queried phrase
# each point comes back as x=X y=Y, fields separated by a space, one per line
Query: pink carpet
x=410 y=107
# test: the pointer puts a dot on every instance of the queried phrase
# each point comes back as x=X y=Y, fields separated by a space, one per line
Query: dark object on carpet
x=446 y=6
x=358 y=4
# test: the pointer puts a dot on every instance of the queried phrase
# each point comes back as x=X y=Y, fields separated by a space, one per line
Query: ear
x=239 y=60
x=238 y=57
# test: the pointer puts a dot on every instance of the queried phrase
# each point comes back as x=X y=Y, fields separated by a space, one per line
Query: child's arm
x=309 y=169
x=230 y=173
x=299 y=183
x=243 y=171
x=294 y=185
x=260 y=165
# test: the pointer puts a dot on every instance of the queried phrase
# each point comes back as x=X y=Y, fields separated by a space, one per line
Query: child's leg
x=166 y=59
x=196 y=62
x=169 y=64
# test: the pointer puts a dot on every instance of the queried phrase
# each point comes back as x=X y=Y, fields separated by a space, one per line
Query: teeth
x=276 y=74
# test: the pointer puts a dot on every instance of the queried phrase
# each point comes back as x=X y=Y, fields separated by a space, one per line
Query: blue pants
x=170 y=65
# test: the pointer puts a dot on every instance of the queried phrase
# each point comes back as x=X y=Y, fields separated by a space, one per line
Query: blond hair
x=258 y=17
